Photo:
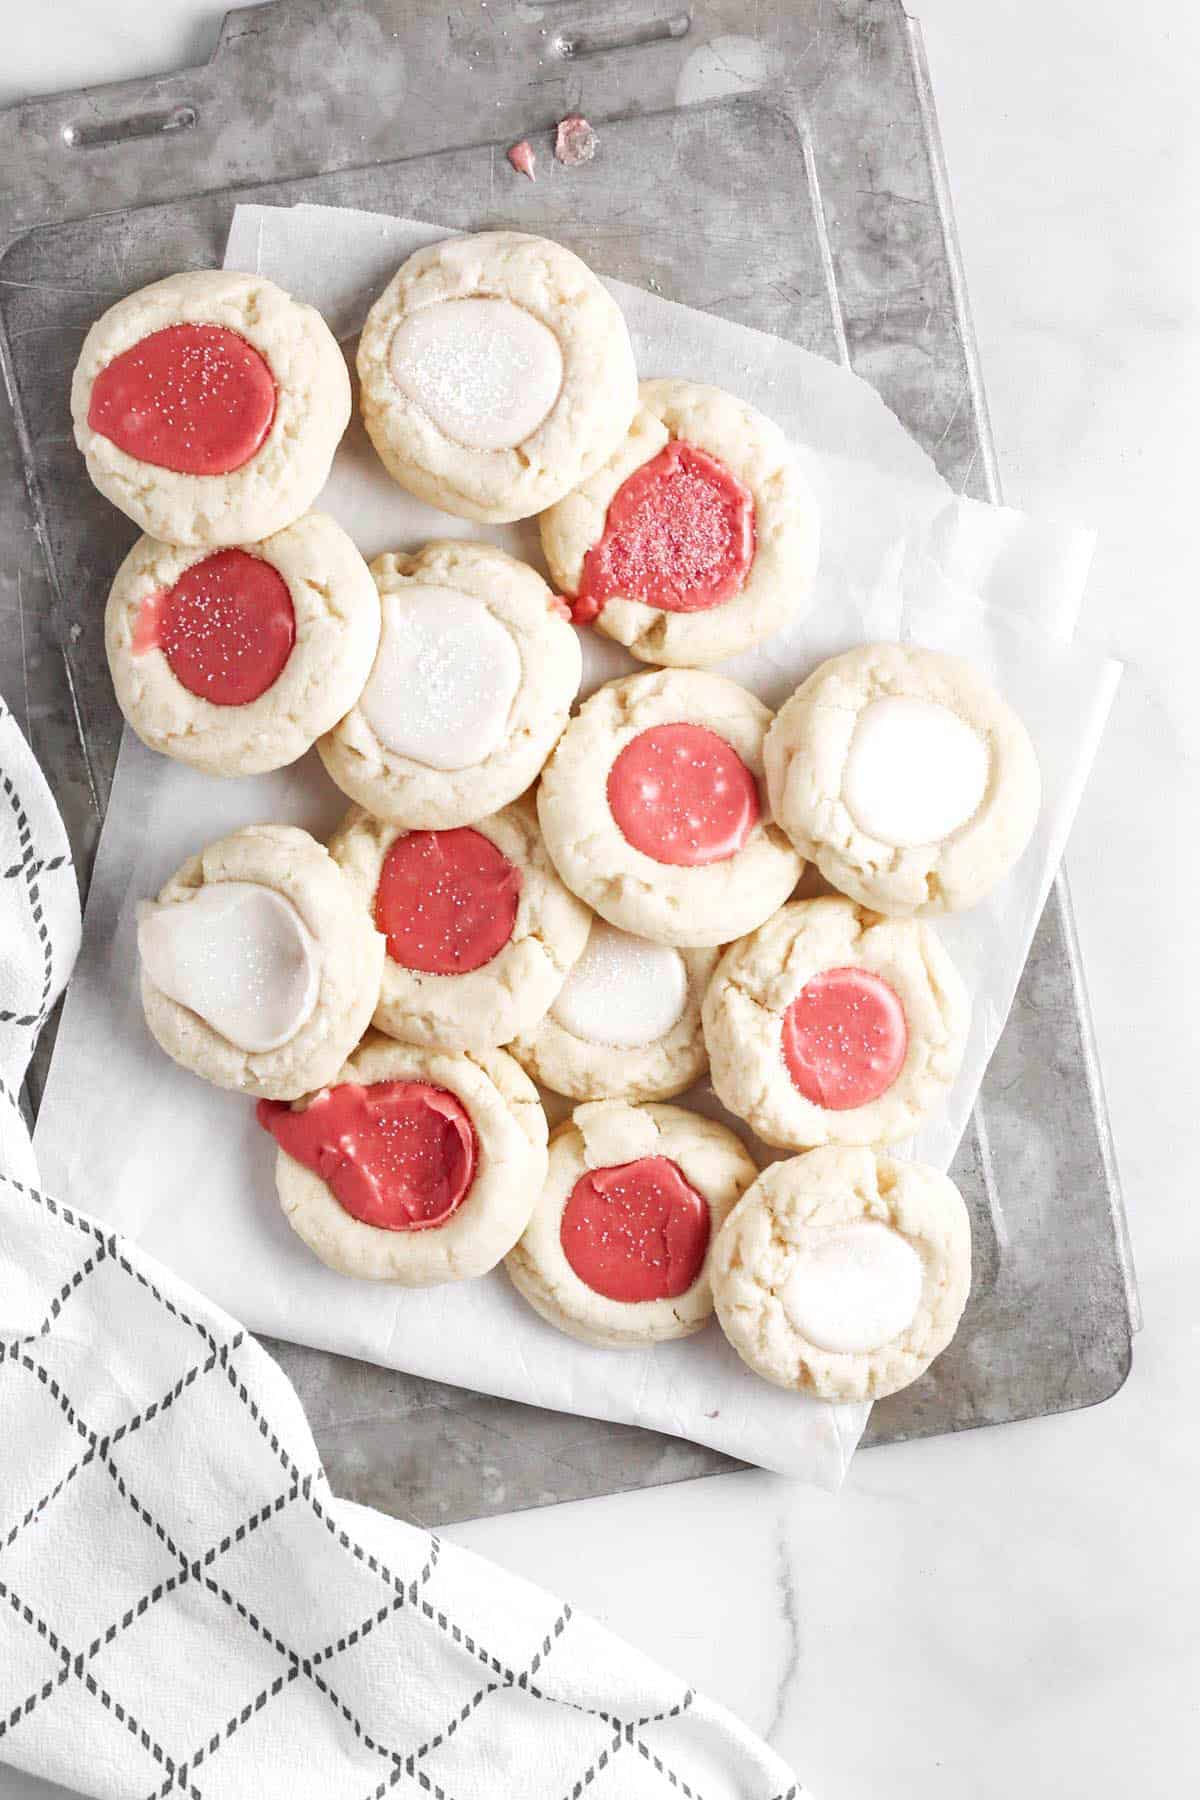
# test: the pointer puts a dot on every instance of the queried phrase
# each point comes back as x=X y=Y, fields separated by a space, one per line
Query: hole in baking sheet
x=592 y=42
x=137 y=125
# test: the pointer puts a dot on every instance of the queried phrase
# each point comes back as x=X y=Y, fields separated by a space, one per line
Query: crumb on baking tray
x=574 y=141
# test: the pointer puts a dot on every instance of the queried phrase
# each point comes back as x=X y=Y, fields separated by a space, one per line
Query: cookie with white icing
x=470 y=689
x=905 y=777
x=208 y=407
x=496 y=372
x=653 y=809
x=259 y=970
x=237 y=660
x=626 y=1022
x=480 y=931
x=831 y=1025
x=697 y=538
x=842 y=1273
x=411 y=1166
x=618 y=1250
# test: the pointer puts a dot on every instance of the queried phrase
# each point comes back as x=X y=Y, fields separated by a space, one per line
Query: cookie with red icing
x=842 y=1273
x=259 y=971
x=618 y=1250
x=411 y=1166
x=495 y=372
x=208 y=407
x=697 y=538
x=474 y=677
x=480 y=931
x=236 y=660
x=654 y=811
x=831 y=1025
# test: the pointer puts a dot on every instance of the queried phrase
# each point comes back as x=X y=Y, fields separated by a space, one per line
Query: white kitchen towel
x=185 y=1608
x=39 y=928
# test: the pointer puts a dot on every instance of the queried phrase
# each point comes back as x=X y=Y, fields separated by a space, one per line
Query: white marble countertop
x=1011 y=1611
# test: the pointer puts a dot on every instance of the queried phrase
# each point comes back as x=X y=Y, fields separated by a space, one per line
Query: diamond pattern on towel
x=185 y=1607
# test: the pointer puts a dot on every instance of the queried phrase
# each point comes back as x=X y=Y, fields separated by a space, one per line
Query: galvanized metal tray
x=789 y=177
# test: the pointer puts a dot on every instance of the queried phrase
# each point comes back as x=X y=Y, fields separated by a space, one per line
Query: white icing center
x=444 y=680
x=622 y=991
x=915 y=772
x=485 y=371
x=240 y=955
x=854 y=1289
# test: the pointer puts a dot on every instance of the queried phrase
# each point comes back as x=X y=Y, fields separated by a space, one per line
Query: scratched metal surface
x=790 y=179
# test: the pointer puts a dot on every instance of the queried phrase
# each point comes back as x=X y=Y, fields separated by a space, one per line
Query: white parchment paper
x=185 y=1170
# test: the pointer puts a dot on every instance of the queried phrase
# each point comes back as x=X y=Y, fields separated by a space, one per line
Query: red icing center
x=845 y=1038
x=197 y=399
x=446 y=900
x=399 y=1155
x=681 y=794
x=226 y=628
x=679 y=534
x=638 y=1231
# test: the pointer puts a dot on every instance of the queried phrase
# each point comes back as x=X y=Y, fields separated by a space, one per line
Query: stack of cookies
x=599 y=903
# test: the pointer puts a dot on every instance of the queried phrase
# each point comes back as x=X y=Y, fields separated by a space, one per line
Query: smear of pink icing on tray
x=522 y=158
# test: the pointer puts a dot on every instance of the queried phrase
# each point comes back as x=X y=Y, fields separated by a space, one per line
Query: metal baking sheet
x=786 y=174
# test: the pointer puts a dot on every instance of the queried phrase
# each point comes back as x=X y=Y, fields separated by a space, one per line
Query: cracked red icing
x=681 y=794
x=197 y=399
x=399 y=1155
x=446 y=900
x=226 y=628
x=845 y=1038
x=636 y=1231
x=679 y=534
